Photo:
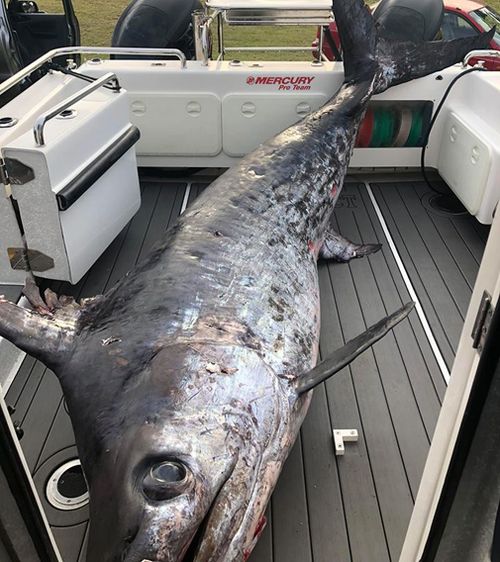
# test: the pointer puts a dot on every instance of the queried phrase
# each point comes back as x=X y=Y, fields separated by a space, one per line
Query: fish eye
x=165 y=480
x=168 y=471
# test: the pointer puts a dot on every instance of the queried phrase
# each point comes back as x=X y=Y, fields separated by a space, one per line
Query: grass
x=98 y=18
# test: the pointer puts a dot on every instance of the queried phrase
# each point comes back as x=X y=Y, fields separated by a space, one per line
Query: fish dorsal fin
x=343 y=356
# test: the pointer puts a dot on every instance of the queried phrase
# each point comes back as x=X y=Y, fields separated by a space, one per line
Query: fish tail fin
x=386 y=62
x=400 y=62
x=358 y=38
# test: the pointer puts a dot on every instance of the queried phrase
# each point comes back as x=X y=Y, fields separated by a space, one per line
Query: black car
x=27 y=32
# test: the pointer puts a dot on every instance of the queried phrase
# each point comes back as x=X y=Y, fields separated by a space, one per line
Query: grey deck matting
x=441 y=254
x=325 y=508
x=11 y=292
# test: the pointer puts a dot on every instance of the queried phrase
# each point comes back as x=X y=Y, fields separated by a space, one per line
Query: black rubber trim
x=21 y=490
x=70 y=194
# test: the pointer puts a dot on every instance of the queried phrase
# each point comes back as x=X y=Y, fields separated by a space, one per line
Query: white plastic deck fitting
x=342 y=436
x=411 y=289
x=56 y=498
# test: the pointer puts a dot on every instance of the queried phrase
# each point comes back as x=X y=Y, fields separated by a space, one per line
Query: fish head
x=170 y=440
x=150 y=495
x=177 y=461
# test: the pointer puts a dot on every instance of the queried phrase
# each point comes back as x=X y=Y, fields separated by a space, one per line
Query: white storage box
x=79 y=188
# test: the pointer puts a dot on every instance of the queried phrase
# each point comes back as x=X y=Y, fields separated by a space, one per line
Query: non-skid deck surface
x=326 y=508
x=11 y=292
x=441 y=254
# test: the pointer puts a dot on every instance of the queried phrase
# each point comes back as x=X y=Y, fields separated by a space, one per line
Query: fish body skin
x=241 y=264
x=228 y=307
x=181 y=381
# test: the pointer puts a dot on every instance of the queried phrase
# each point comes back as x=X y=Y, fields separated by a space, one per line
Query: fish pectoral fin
x=336 y=247
x=45 y=332
x=50 y=303
x=345 y=355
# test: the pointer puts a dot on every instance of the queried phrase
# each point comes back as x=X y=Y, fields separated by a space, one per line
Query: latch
x=14 y=172
x=482 y=322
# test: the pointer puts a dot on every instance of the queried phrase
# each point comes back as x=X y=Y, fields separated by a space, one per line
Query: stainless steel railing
x=38 y=128
x=69 y=51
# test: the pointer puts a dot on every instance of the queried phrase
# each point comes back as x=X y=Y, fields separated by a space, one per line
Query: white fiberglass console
x=468 y=155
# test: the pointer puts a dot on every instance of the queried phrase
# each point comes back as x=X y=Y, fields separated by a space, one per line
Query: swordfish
x=188 y=381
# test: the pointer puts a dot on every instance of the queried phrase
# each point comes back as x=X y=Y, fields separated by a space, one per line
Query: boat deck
x=352 y=508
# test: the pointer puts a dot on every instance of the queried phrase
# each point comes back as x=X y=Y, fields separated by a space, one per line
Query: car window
x=35 y=6
x=487 y=18
x=455 y=26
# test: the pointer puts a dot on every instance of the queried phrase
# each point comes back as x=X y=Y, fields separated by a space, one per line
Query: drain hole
x=447 y=203
x=72 y=483
x=66 y=488
x=444 y=204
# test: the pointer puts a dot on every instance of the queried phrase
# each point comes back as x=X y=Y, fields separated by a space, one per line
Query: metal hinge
x=17 y=172
x=482 y=322
x=25 y=259
x=17 y=424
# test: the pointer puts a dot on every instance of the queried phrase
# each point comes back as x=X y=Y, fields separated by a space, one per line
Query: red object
x=261 y=526
x=366 y=130
x=462 y=17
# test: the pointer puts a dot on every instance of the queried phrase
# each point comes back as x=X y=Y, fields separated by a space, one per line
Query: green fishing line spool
x=395 y=125
x=417 y=129
x=383 y=132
